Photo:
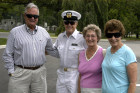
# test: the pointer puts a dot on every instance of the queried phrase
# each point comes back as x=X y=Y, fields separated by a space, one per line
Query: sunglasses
x=30 y=16
x=69 y=22
x=110 y=35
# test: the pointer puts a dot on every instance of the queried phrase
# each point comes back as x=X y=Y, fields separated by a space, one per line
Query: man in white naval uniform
x=69 y=44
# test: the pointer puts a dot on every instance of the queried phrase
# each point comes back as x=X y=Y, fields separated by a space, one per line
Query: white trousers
x=67 y=81
x=28 y=81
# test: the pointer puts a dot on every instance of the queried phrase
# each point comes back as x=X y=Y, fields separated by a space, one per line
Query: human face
x=91 y=38
x=70 y=26
x=31 y=21
x=115 y=41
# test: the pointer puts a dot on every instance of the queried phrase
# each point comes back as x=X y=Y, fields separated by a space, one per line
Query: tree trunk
x=137 y=35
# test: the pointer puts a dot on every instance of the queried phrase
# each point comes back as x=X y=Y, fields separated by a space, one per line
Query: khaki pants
x=28 y=81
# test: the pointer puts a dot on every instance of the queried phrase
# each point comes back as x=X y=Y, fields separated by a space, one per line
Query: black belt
x=31 y=68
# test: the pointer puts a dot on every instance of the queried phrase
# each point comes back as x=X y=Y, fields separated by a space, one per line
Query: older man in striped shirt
x=24 y=55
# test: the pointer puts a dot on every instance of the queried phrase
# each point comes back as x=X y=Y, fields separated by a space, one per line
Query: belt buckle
x=33 y=68
x=65 y=69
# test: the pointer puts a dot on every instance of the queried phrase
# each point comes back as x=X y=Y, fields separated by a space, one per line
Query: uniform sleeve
x=8 y=55
x=130 y=56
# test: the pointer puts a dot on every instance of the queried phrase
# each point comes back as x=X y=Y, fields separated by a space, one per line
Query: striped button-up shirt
x=69 y=48
x=26 y=48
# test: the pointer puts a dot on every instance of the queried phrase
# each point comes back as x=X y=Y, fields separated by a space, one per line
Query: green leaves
x=92 y=11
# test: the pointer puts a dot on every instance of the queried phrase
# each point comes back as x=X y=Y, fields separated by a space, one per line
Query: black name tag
x=73 y=44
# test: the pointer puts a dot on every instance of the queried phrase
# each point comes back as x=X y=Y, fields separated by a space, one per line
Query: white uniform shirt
x=69 y=48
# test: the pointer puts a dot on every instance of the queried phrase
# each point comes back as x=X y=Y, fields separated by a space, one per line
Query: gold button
x=65 y=69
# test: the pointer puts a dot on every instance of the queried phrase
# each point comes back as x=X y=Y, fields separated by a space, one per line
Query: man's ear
x=24 y=15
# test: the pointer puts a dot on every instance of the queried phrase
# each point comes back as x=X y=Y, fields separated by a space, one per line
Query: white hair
x=31 y=5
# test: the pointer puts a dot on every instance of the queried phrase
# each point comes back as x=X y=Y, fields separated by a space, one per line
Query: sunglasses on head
x=30 y=16
x=110 y=35
x=69 y=22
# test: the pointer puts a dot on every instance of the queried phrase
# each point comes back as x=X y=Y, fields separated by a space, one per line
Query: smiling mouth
x=69 y=27
x=32 y=21
x=113 y=41
x=90 y=41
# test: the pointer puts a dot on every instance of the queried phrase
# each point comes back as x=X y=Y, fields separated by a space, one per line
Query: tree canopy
x=92 y=11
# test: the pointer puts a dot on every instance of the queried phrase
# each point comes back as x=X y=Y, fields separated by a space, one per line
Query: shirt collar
x=29 y=31
x=74 y=34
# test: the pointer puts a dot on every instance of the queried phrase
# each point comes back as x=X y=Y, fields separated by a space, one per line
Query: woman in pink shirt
x=90 y=60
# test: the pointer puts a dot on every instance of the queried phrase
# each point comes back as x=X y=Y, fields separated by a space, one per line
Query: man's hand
x=10 y=74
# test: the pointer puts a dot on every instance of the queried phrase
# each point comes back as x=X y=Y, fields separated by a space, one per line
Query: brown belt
x=32 y=68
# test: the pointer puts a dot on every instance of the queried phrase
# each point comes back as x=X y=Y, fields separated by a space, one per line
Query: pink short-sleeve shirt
x=90 y=70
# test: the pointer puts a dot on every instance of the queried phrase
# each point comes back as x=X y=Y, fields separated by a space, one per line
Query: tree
x=126 y=11
x=93 y=12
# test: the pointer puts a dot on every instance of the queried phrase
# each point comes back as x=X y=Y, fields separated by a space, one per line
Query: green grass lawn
x=132 y=37
x=3 y=41
x=1 y=30
x=52 y=35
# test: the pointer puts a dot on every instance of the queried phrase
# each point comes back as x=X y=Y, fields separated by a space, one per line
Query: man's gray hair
x=31 y=5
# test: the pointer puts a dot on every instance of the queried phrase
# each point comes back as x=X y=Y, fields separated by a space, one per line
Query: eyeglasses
x=88 y=36
x=30 y=16
x=69 y=22
x=110 y=35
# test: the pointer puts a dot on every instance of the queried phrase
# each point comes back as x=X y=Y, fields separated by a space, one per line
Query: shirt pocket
x=74 y=51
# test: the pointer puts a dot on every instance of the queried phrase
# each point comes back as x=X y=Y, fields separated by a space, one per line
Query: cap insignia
x=69 y=15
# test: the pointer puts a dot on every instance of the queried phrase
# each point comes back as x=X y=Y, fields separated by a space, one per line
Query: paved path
x=53 y=63
x=4 y=34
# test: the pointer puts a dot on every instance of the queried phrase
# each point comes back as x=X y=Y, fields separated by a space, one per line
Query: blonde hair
x=94 y=28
